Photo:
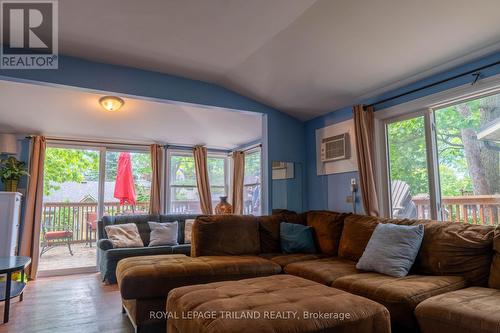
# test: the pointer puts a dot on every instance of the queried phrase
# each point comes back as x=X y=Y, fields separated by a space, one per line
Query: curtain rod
x=93 y=141
x=252 y=147
x=179 y=147
x=474 y=72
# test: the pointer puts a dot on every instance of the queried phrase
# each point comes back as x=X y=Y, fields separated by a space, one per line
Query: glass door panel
x=468 y=156
x=127 y=183
x=69 y=209
x=408 y=174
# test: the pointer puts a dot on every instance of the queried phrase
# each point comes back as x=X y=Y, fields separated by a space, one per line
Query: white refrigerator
x=10 y=219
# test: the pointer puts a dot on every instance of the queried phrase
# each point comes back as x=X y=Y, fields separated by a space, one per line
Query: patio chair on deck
x=50 y=238
x=91 y=227
x=402 y=204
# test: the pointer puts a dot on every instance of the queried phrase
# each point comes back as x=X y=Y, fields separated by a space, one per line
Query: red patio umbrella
x=124 y=185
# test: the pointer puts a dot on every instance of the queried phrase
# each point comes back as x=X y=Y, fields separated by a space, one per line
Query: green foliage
x=69 y=165
x=12 y=169
x=408 y=161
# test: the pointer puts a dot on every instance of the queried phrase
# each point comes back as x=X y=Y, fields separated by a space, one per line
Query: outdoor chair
x=50 y=238
x=91 y=227
x=402 y=204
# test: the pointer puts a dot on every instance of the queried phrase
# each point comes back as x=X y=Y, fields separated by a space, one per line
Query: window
x=183 y=193
x=443 y=162
x=252 y=191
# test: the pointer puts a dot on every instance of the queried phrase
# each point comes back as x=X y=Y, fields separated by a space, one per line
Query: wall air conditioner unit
x=335 y=148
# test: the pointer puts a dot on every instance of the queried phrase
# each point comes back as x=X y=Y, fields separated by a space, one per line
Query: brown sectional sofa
x=452 y=257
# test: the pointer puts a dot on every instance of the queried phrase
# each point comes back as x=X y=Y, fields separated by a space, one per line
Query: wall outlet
x=348 y=199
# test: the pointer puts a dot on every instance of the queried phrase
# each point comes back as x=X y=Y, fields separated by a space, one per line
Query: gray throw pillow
x=392 y=249
x=163 y=233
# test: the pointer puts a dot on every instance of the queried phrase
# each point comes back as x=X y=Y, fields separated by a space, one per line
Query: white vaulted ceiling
x=304 y=57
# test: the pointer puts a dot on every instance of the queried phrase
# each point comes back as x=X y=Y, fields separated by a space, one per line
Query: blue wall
x=330 y=191
x=286 y=141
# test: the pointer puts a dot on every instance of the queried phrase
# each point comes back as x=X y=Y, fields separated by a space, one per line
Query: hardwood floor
x=74 y=303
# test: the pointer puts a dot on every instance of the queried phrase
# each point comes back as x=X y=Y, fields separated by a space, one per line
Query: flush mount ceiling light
x=111 y=103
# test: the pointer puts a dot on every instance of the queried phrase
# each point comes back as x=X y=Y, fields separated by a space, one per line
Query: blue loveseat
x=108 y=257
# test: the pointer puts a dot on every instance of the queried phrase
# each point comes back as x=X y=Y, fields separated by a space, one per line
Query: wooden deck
x=74 y=303
x=59 y=257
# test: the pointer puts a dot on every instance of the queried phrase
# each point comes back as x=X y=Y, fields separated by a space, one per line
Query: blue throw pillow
x=296 y=238
x=392 y=249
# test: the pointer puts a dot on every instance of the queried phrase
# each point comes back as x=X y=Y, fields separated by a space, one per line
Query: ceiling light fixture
x=111 y=103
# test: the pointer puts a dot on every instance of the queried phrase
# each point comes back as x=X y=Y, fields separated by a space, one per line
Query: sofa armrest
x=104 y=244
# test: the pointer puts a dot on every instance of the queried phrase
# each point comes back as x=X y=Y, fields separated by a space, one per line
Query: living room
x=260 y=166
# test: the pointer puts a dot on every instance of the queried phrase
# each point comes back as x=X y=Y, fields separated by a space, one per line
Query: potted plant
x=11 y=171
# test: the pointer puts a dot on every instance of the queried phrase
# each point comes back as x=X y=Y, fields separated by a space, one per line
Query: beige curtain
x=33 y=215
x=238 y=176
x=363 y=125
x=202 y=181
x=157 y=153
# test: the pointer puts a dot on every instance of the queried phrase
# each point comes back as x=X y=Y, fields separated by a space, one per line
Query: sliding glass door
x=444 y=162
x=469 y=178
x=81 y=184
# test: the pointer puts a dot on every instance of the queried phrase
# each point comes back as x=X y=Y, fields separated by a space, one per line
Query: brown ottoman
x=146 y=281
x=279 y=303
x=470 y=310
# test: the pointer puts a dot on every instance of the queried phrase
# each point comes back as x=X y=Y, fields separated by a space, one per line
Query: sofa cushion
x=281 y=295
x=163 y=233
x=188 y=230
x=180 y=218
x=285 y=259
x=140 y=220
x=327 y=230
x=124 y=235
x=117 y=254
x=392 y=249
x=269 y=229
x=473 y=309
x=399 y=295
x=355 y=236
x=324 y=271
x=297 y=238
x=494 y=278
x=450 y=248
x=155 y=276
x=219 y=235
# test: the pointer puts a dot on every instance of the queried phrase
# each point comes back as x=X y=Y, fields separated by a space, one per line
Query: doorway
x=80 y=187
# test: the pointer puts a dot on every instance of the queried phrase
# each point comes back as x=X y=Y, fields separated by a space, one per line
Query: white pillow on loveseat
x=163 y=233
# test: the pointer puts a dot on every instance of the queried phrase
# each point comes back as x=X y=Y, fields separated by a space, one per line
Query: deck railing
x=73 y=216
x=475 y=209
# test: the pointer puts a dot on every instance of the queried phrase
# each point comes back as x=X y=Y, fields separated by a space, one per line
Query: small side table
x=11 y=289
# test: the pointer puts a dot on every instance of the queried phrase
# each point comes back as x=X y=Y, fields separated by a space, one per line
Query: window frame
x=102 y=148
x=256 y=149
x=426 y=107
x=188 y=153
